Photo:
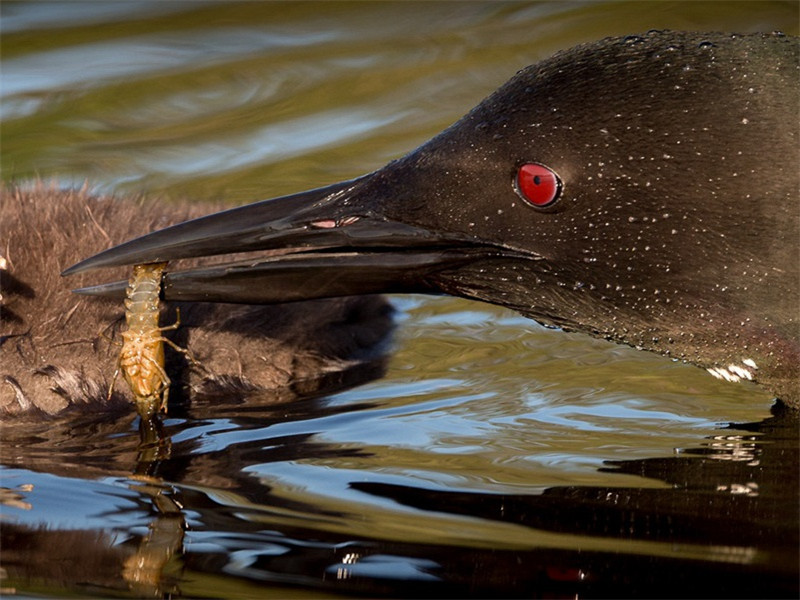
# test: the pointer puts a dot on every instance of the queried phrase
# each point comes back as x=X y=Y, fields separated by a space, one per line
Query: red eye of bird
x=537 y=185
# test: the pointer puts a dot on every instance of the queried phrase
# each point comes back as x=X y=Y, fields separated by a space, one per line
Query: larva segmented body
x=141 y=359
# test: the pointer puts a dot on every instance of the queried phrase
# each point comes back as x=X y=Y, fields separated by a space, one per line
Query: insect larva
x=141 y=359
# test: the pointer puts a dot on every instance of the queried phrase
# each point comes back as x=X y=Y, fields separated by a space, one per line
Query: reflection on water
x=490 y=456
x=719 y=519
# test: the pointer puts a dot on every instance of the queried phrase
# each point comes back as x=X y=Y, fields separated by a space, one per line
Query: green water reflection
x=248 y=100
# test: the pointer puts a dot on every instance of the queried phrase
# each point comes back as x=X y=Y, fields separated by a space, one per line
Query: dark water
x=491 y=457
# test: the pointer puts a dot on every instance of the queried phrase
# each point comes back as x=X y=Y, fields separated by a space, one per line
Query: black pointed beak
x=312 y=219
x=340 y=245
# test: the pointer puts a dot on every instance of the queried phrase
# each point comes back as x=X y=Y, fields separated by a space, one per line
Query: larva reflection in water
x=141 y=359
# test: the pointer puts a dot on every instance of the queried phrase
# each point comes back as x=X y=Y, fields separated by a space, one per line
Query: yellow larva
x=141 y=359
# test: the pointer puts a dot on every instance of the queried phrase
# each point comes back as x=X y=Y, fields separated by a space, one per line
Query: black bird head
x=641 y=189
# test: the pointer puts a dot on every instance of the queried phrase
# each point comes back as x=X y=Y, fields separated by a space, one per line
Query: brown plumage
x=55 y=351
